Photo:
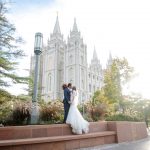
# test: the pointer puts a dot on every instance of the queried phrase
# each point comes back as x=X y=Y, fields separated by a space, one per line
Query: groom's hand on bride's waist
x=69 y=102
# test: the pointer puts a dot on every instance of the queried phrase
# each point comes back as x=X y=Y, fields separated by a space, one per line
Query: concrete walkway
x=143 y=144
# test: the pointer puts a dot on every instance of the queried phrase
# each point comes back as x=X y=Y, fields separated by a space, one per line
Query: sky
x=121 y=27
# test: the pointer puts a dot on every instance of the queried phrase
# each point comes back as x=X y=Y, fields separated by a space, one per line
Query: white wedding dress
x=75 y=119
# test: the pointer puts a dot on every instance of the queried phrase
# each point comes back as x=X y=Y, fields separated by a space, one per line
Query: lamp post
x=37 y=51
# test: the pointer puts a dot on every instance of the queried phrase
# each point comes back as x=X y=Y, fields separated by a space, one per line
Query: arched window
x=82 y=60
x=70 y=74
x=93 y=77
x=82 y=73
x=82 y=78
x=89 y=75
x=49 y=82
x=83 y=97
x=94 y=88
x=89 y=87
x=76 y=43
x=70 y=59
x=82 y=84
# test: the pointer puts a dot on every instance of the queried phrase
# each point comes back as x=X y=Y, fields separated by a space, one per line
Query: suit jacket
x=67 y=95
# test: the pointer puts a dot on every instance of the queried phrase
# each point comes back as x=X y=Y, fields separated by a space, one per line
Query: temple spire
x=110 y=56
x=75 y=29
x=94 y=54
x=57 y=27
x=110 y=59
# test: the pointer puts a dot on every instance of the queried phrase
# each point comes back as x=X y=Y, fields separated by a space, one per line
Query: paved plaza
x=143 y=144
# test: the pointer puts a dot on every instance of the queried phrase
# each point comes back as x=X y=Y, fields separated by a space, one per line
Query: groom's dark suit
x=67 y=95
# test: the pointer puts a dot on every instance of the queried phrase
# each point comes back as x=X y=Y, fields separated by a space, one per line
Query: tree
x=99 y=99
x=142 y=108
x=9 y=50
x=4 y=96
x=115 y=76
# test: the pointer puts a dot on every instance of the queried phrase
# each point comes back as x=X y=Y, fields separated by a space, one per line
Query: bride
x=75 y=119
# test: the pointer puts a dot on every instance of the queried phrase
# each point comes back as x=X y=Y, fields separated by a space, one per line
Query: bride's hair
x=74 y=88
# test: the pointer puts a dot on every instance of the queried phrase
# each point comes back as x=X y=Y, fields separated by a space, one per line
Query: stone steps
x=60 y=137
x=28 y=141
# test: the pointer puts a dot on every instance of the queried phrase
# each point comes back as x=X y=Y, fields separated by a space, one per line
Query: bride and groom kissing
x=72 y=115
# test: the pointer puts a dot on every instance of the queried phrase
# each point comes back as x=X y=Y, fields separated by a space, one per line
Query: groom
x=66 y=100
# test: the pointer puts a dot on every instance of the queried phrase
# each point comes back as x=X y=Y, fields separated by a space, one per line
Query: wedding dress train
x=75 y=119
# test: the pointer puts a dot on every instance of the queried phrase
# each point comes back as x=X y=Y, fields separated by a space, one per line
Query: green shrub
x=18 y=112
x=21 y=113
x=94 y=112
x=14 y=111
x=121 y=117
x=51 y=112
x=98 y=112
x=5 y=112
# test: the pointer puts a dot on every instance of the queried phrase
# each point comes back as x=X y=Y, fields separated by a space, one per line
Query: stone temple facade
x=62 y=62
